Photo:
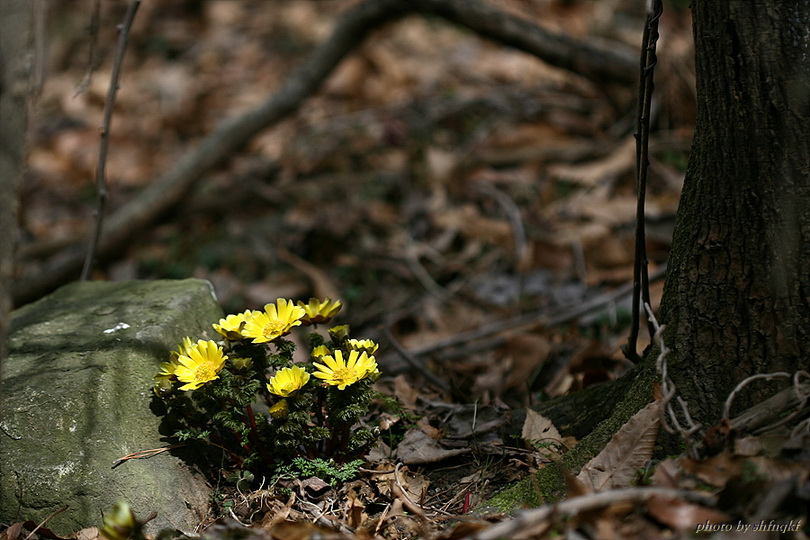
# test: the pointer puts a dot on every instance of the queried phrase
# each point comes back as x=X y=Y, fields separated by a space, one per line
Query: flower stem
x=254 y=434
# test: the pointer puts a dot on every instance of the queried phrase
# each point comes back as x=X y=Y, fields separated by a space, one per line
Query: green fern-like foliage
x=326 y=469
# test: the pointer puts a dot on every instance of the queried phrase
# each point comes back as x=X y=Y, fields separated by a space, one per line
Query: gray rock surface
x=76 y=396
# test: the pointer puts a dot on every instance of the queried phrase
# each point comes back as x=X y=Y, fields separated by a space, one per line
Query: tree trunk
x=737 y=296
x=15 y=60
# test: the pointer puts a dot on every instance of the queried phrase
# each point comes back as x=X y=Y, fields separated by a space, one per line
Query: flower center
x=204 y=372
x=273 y=328
x=343 y=374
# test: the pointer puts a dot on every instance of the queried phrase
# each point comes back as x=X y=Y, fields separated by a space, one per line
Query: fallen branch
x=764 y=415
x=528 y=519
x=580 y=56
x=534 y=318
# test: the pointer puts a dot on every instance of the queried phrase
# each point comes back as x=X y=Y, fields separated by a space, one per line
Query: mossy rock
x=76 y=396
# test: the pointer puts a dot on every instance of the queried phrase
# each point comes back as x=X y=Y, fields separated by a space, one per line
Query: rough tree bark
x=737 y=296
x=15 y=56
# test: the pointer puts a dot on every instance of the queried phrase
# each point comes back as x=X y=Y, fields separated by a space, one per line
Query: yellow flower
x=201 y=364
x=320 y=350
x=120 y=523
x=231 y=326
x=288 y=381
x=362 y=345
x=167 y=371
x=275 y=321
x=181 y=349
x=337 y=372
x=241 y=364
x=318 y=312
x=280 y=409
x=163 y=388
x=339 y=332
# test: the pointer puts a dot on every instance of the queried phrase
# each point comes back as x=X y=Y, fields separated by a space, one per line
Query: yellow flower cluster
x=195 y=364
x=276 y=320
x=307 y=408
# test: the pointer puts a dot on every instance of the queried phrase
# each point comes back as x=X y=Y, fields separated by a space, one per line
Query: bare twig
x=512 y=211
x=577 y=505
x=761 y=417
x=143 y=454
x=574 y=54
x=403 y=495
x=641 y=281
x=101 y=178
x=535 y=318
x=46 y=520
x=799 y=391
x=421 y=274
x=745 y=382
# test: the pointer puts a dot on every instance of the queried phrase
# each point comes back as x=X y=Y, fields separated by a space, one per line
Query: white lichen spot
x=116 y=328
x=65 y=468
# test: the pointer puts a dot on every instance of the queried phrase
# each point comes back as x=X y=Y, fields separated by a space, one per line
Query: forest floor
x=463 y=199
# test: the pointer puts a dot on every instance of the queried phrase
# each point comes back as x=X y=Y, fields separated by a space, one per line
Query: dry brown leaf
x=427 y=429
x=472 y=225
x=406 y=394
x=441 y=164
x=610 y=252
x=579 y=234
x=539 y=428
x=667 y=474
x=629 y=449
x=617 y=210
x=573 y=486
x=349 y=78
x=278 y=514
x=618 y=162
x=464 y=529
x=682 y=515
x=89 y=533
x=355 y=510
x=528 y=352
x=415 y=484
x=19 y=530
x=716 y=470
x=417 y=447
x=298 y=530
x=13 y=532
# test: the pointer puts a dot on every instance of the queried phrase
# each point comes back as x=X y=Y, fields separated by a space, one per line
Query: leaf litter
x=440 y=183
